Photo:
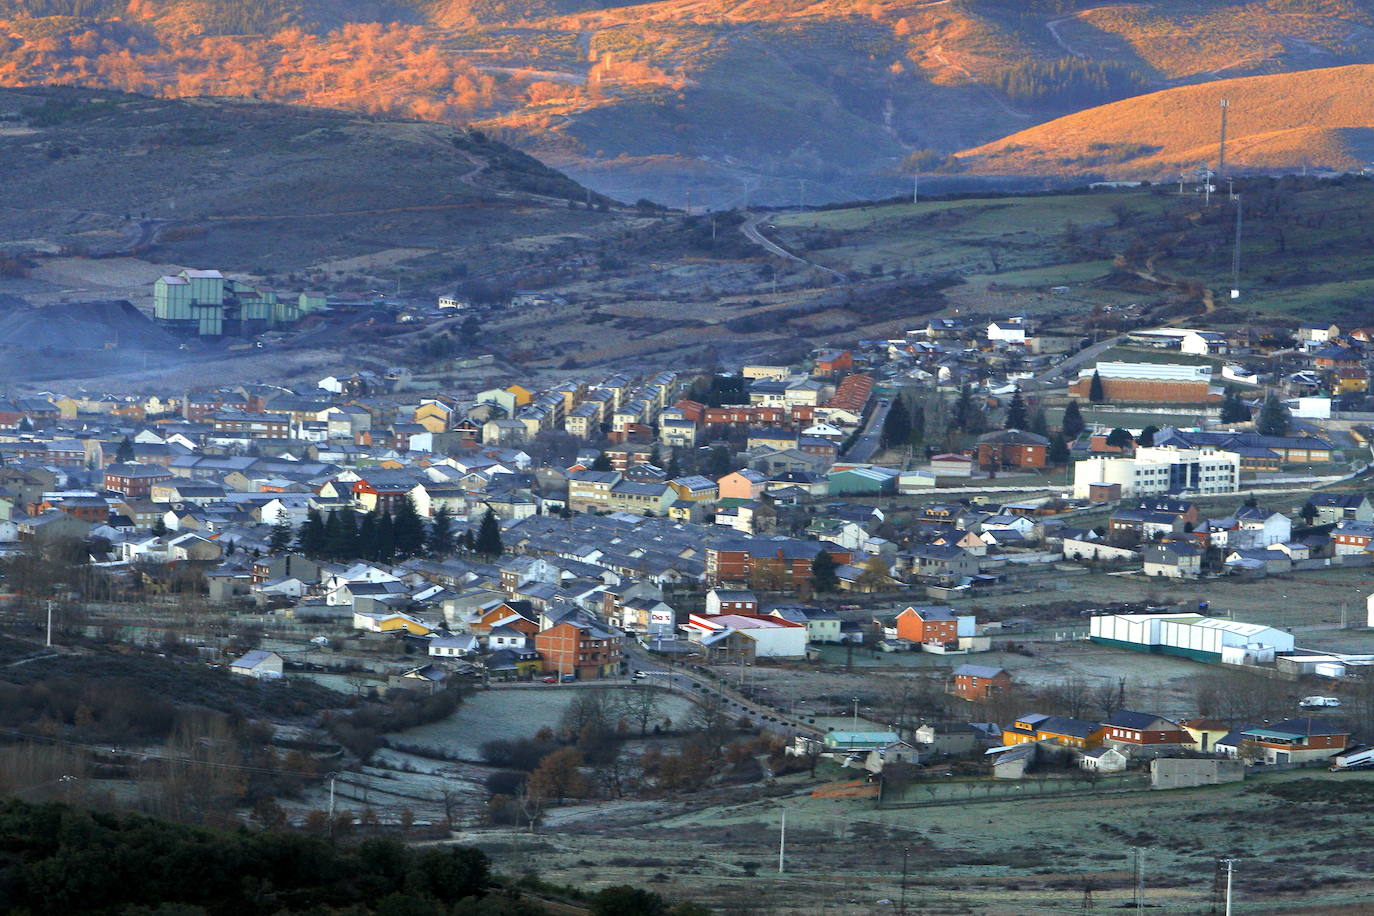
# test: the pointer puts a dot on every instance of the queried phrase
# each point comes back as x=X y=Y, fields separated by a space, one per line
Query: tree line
x=384 y=537
x=1068 y=82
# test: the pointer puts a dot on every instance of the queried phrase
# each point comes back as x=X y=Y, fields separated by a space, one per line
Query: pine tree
x=280 y=538
x=1017 y=417
x=125 y=453
x=439 y=543
x=1095 y=393
x=602 y=462
x=896 y=425
x=341 y=535
x=332 y=544
x=721 y=463
x=1120 y=438
x=918 y=424
x=410 y=529
x=823 y=578
x=1233 y=409
x=1073 y=424
x=967 y=414
x=488 y=542
x=467 y=542
x=367 y=536
x=1308 y=513
x=1273 y=418
x=1058 y=452
x=311 y=538
x=1039 y=424
x=386 y=538
x=674 y=468
x=1147 y=436
x=159 y=527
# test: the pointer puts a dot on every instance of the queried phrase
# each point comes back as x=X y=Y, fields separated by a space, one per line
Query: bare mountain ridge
x=1322 y=119
x=718 y=98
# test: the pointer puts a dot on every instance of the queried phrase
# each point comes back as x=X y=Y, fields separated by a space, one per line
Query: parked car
x=569 y=678
x=1319 y=702
x=550 y=679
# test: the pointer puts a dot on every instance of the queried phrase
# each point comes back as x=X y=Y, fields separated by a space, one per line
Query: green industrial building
x=204 y=303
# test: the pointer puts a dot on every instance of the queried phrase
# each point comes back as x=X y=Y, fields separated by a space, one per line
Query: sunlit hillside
x=717 y=98
x=1321 y=119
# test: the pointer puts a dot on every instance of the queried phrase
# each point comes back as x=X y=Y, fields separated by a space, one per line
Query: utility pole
x=856 y=714
x=1221 y=148
x=48 y=644
x=915 y=187
x=689 y=202
x=331 y=805
x=1139 y=879
x=1228 y=863
x=906 y=853
x=782 y=843
x=1235 y=255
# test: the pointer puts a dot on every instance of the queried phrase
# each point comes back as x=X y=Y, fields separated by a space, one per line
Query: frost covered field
x=489 y=715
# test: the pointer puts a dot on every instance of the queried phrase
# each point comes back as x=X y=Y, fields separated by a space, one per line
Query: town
x=972 y=557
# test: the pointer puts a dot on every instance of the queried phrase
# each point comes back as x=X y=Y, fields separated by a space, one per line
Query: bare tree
x=1110 y=697
x=640 y=704
x=1069 y=697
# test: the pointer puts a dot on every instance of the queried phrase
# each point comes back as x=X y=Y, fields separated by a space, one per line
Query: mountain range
x=780 y=101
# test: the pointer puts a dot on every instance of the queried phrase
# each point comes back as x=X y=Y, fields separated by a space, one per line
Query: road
x=866 y=446
x=736 y=705
x=750 y=228
x=1051 y=375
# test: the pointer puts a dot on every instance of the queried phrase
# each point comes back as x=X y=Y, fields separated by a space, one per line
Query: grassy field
x=509 y=714
x=1304 y=251
x=996 y=857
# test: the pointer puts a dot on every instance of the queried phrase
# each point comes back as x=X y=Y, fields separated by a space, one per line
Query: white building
x=260 y=664
x=1161 y=469
x=773 y=637
x=1010 y=330
x=1192 y=636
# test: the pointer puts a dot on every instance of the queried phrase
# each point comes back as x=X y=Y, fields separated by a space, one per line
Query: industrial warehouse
x=1205 y=639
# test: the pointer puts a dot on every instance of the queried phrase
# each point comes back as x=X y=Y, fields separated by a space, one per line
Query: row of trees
x=386 y=536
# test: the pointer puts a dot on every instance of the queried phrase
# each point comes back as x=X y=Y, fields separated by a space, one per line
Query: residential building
x=1012 y=449
x=980 y=682
x=1172 y=559
x=1062 y=730
x=1145 y=733
x=928 y=625
x=581 y=648
x=730 y=601
x=1294 y=741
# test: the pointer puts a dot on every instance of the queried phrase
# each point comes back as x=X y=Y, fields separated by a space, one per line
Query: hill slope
x=251 y=184
x=1321 y=118
x=661 y=98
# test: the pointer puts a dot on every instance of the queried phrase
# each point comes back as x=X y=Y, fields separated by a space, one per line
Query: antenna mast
x=1221 y=149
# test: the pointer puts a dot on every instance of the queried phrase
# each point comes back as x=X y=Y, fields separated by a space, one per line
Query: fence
x=966 y=792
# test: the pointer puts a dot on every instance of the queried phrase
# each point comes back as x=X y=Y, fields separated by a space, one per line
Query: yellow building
x=1205 y=732
x=433 y=416
x=522 y=395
